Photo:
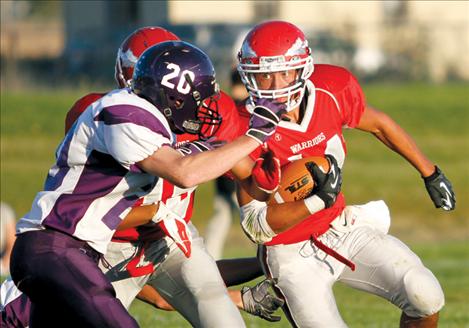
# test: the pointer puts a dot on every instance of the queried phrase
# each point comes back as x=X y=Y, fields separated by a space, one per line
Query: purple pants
x=60 y=275
x=16 y=313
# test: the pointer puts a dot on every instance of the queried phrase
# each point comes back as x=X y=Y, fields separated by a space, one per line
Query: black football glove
x=259 y=302
x=327 y=185
x=440 y=190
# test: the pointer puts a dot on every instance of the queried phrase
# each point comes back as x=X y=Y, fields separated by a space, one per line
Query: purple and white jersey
x=95 y=180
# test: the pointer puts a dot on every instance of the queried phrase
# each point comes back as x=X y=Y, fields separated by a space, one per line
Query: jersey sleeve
x=133 y=134
x=352 y=101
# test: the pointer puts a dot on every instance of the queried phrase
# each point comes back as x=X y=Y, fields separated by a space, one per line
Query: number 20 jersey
x=334 y=101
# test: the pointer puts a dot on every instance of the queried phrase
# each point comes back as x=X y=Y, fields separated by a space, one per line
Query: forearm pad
x=254 y=222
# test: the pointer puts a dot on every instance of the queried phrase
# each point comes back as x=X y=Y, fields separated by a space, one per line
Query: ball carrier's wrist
x=314 y=204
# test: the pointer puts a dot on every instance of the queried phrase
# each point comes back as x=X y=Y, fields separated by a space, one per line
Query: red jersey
x=334 y=100
x=180 y=199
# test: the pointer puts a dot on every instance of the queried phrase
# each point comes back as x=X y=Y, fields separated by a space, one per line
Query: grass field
x=437 y=116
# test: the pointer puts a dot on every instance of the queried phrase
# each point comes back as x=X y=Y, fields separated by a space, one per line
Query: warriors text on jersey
x=334 y=100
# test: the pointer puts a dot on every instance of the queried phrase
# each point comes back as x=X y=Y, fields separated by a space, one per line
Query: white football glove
x=174 y=227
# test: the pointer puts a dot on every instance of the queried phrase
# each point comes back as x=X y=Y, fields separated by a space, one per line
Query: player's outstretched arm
x=392 y=135
x=239 y=270
x=189 y=171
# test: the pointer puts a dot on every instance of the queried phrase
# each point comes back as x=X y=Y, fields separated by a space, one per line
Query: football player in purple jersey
x=113 y=155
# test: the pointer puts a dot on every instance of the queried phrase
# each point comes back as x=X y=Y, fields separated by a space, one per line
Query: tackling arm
x=189 y=171
x=138 y=216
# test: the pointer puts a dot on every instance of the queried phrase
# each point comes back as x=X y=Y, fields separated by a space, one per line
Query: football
x=296 y=182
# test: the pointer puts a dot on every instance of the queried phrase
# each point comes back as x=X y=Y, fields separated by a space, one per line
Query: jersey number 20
x=182 y=86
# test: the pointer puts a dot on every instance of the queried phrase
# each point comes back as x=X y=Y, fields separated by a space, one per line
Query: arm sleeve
x=129 y=143
x=132 y=133
x=351 y=101
x=254 y=222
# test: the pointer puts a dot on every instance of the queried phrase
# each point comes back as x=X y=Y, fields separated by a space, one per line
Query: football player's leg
x=57 y=270
x=388 y=268
x=115 y=267
x=220 y=223
x=194 y=287
x=15 y=306
x=305 y=282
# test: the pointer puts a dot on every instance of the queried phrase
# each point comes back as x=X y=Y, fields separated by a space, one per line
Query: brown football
x=296 y=182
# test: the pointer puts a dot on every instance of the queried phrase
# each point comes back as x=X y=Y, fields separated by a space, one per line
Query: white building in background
x=438 y=31
x=432 y=35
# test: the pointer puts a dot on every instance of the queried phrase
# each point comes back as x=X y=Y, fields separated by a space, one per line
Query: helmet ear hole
x=179 y=103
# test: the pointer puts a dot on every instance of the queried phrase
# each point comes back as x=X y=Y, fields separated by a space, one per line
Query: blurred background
x=76 y=41
x=412 y=58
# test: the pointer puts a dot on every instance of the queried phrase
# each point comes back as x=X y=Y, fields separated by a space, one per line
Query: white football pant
x=384 y=266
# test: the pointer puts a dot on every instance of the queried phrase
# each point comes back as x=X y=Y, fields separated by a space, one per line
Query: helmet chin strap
x=167 y=112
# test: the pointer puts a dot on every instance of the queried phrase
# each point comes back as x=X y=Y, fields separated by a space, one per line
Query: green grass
x=436 y=116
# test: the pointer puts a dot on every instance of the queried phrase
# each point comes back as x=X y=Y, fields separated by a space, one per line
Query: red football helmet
x=276 y=46
x=133 y=46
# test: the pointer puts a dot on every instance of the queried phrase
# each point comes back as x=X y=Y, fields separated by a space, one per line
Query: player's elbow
x=186 y=179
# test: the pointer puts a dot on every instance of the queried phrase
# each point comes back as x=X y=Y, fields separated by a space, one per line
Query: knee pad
x=424 y=294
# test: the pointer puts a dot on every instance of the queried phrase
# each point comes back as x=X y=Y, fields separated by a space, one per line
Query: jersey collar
x=309 y=110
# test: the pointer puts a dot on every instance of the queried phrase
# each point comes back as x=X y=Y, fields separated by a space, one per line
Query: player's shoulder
x=82 y=103
x=122 y=106
x=79 y=107
x=124 y=100
x=332 y=78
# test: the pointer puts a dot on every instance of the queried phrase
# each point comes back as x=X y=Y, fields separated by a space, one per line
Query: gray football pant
x=193 y=286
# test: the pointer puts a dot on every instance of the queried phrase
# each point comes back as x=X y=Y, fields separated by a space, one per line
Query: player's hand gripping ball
x=297 y=182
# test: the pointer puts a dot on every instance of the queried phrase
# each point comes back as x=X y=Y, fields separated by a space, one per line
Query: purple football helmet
x=179 y=79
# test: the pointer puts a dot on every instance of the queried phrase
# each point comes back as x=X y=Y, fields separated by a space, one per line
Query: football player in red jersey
x=310 y=244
